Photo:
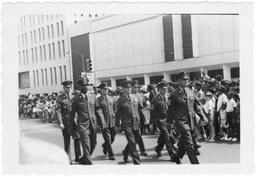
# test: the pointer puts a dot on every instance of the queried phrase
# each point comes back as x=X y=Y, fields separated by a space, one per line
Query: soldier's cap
x=103 y=86
x=222 y=88
x=83 y=81
x=126 y=83
x=135 y=83
x=218 y=77
x=182 y=75
x=198 y=83
x=66 y=83
x=161 y=85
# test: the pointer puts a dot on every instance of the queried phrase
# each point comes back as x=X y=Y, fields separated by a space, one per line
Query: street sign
x=89 y=76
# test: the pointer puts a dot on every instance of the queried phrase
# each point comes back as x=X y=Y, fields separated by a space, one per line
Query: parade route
x=211 y=153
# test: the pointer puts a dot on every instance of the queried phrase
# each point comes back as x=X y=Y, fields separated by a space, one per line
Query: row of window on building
x=33 y=20
x=40 y=53
x=53 y=76
x=38 y=35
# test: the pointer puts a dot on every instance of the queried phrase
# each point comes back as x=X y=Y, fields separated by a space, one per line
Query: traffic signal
x=89 y=65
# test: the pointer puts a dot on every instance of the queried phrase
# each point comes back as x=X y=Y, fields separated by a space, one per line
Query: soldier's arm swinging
x=58 y=113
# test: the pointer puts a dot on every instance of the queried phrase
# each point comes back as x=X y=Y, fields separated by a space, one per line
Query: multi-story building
x=150 y=48
x=44 y=60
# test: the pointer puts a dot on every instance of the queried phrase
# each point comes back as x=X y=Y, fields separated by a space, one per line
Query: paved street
x=218 y=152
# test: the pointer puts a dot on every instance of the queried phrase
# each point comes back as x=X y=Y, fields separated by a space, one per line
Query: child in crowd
x=223 y=121
x=231 y=104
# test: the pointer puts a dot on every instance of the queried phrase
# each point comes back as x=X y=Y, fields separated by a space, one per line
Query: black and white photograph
x=117 y=88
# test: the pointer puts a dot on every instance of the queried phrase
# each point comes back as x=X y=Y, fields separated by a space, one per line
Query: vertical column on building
x=203 y=70
x=177 y=37
x=226 y=72
x=194 y=35
x=146 y=79
x=166 y=76
x=113 y=83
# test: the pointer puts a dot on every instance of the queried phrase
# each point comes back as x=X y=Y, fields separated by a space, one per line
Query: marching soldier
x=63 y=108
x=83 y=104
x=160 y=108
x=182 y=110
x=105 y=112
x=129 y=121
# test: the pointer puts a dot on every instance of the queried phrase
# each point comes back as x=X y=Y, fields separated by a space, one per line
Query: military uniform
x=106 y=120
x=84 y=106
x=63 y=108
x=160 y=108
x=182 y=112
x=129 y=123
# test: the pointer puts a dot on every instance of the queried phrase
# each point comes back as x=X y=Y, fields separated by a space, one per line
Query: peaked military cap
x=126 y=83
x=83 y=81
x=103 y=85
x=66 y=83
x=162 y=85
x=135 y=83
x=182 y=75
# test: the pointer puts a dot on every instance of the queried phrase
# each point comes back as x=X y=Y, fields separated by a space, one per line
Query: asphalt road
x=211 y=153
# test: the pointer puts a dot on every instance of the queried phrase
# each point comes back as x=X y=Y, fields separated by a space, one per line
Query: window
x=186 y=36
x=26 y=39
x=37 y=77
x=39 y=32
x=50 y=55
x=51 y=76
x=61 y=74
x=38 y=19
x=32 y=54
x=24 y=80
x=59 y=49
x=51 y=17
x=35 y=36
x=24 y=62
x=27 y=55
x=41 y=54
x=168 y=38
x=42 y=18
x=44 y=53
x=21 y=24
x=34 y=21
x=31 y=37
x=46 y=79
x=47 y=17
x=65 y=72
x=25 y=25
x=55 y=75
x=62 y=28
x=19 y=41
x=19 y=58
x=34 y=78
x=30 y=22
x=48 y=31
x=22 y=37
x=63 y=48
x=42 y=74
x=53 y=50
x=43 y=35
x=36 y=56
x=52 y=31
x=58 y=29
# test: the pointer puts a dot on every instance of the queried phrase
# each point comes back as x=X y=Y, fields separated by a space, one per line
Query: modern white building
x=150 y=48
x=43 y=58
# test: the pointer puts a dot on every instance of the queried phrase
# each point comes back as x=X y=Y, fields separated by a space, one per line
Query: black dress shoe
x=197 y=152
x=198 y=146
x=175 y=159
x=126 y=160
x=144 y=154
x=158 y=153
x=104 y=149
x=112 y=158
x=77 y=159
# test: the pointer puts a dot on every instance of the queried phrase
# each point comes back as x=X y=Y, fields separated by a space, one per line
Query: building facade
x=44 y=60
x=150 y=48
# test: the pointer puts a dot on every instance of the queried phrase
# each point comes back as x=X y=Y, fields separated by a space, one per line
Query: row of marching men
x=79 y=113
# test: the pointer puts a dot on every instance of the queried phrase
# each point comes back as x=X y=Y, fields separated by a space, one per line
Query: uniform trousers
x=109 y=137
x=186 y=144
x=138 y=139
x=66 y=137
x=131 y=146
x=164 y=139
